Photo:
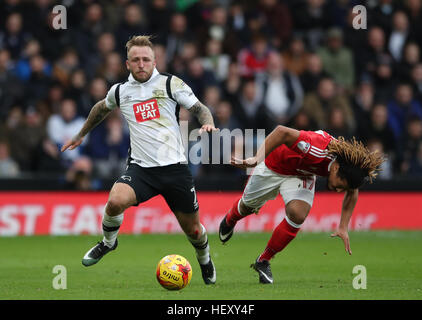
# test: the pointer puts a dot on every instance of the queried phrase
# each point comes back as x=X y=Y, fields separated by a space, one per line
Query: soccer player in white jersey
x=150 y=102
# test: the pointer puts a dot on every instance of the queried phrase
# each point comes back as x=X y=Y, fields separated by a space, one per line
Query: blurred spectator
x=413 y=9
x=238 y=21
x=384 y=77
x=105 y=45
x=91 y=26
x=8 y=167
x=215 y=60
x=399 y=35
x=386 y=168
x=177 y=36
x=224 y=118
x=13 y=38
x=410 y=58
x=10 y=88
x=23 y=68
x=311 y=17
x=231 y=86
x=279 y=20
x=212 y=97
x=253 y=60
x=319 y=104
x=337 y=125
x=39 y=81
x=415 y=165
x=362 y=102
x=409 y=143
x=417 y=81
x=78 y=176
x=337 y=60
x=281 y=90
x=302 y=122
x=369 y=56
x=108 y=147
x=377 y=128
x=47 y=35
x=97 y=91
x=77 y=90
x=27 y=131
x=65 y=65
x=217 y=29
x=249 y=107
x=355 y=40
x=313 y=73
x=113 y=70
x=198 y=78
x=114 y=12
x=160 y=57
x=295 y=56
x=382 y=15
x=53 y=100
x=134 y=23
x=161 y=13
x=199 y=13
x=63 y=127
x=401 y=107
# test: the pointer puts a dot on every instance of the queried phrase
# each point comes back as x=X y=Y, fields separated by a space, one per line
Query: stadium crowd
x=255 y=64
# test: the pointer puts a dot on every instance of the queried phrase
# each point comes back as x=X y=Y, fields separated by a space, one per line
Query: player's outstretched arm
x=280 y=135
x=204 y=116
x=349 y=202
x=97 y=114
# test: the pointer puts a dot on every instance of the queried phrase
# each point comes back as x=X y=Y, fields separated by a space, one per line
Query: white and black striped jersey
x=151 y=109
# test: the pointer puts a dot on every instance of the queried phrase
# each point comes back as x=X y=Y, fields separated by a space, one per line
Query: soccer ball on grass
x=174 y=272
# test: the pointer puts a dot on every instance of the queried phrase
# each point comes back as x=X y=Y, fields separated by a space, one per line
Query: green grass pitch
x=313 y=266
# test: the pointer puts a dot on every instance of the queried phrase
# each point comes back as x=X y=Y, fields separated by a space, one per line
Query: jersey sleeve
x=312 y=144
x=110 y=99
x=182 y=93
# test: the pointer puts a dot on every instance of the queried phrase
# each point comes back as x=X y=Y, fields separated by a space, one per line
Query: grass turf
x=313 y=266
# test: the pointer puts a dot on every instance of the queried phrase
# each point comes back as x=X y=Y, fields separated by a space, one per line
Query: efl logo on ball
x=174 y=272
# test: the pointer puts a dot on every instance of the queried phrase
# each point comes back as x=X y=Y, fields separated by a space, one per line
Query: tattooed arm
x=97 y=114
x=204 y=116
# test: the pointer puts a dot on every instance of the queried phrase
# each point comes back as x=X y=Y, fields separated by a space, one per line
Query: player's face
x=140 y=62
x=334 y=182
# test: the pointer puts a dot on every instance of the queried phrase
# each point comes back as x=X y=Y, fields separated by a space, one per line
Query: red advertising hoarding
x=67 y=213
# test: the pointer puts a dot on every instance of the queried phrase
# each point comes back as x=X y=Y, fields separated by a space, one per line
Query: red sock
x=282 y=235
x=233 y=216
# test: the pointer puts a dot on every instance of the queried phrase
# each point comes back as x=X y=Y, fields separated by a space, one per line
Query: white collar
x=332 y=161
x=132 y=80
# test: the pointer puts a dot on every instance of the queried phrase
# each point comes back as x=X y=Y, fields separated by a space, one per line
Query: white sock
x=111 y=227
x=201 y=247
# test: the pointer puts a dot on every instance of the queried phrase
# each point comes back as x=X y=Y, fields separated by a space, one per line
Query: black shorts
x=174 y=182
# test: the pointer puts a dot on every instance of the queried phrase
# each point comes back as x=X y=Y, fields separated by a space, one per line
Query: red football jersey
x=307 y=156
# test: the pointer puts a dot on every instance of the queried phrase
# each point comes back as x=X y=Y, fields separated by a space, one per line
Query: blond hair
x=140 y=41
x=355 y=154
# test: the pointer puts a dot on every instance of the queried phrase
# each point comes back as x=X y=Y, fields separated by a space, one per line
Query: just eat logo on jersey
x=146 y=110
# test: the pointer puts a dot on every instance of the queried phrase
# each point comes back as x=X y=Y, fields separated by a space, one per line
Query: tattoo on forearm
x=202 y=113
x=97 y=114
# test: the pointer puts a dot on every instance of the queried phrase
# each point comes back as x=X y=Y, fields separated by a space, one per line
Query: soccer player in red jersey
x=287 y=163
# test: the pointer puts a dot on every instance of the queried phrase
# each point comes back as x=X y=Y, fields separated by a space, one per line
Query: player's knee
x=296 y=215
x=244 y=209
x=194 y=231
x=116 y=205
